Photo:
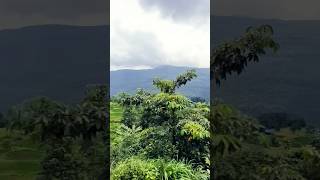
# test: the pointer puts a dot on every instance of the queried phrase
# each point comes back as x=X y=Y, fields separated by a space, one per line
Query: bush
x=135 y=169
x=139 y=169
x=178 y=170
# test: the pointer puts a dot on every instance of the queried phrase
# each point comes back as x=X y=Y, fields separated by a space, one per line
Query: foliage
x=243 y=150
x=256 y=164
x=140 y=169
x=281 y=120
x=168 y=127
x=66 y=131
x=60 y=163
x=135 y=168
x=170 y=86
x=197 y=99
x=233 y=56
x=164 y=125
x=310 y=162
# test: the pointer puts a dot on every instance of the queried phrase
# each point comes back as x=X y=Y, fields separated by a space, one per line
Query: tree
x=233 y=57
x=161 y=108
x=61 y=128
x=172 y=126
x=170 y=86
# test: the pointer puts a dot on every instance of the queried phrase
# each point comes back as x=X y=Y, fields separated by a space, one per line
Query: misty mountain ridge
x=127 y=80
x=58 y=61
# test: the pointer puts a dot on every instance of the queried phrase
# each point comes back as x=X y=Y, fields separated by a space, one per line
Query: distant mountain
x=288 y=81
x=130 y=80
x=51 y=60
x=58 y=61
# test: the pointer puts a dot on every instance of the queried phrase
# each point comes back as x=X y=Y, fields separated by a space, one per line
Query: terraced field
x=115 y=112
x=115 y=118
x=20 y=155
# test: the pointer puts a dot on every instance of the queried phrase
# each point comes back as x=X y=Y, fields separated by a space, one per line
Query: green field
x=20 y=155
x=115 y=118
x=115 y=113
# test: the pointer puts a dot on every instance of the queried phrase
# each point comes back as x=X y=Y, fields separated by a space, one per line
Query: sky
x=145 y=34
x=19 y=13
x=268 y=9
x=148 y=33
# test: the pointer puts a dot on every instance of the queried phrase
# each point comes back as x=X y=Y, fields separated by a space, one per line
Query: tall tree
x=233 y=57
x=170 y=86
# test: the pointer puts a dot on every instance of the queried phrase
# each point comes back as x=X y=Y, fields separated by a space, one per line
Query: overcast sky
x=275 y=9
x=19 y=13
x=148 y=33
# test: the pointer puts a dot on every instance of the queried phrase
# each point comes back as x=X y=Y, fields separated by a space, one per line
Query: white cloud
x=142 y=37
x=189 y=11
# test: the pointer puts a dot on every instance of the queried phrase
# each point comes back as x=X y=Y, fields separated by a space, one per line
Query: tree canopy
x=233 y=56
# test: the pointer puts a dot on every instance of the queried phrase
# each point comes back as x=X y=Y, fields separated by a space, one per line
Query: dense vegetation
x=166 y=136
x=70 y=140
x=245 y=149
x=277 y=147
x=161 y=135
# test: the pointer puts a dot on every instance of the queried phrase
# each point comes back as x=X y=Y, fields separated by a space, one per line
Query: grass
x=115 y=118
x=297 y=138
x=20 y=155
x=115 y=112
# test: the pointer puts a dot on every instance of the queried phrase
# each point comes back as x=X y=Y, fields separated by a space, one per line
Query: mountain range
x=288 y=81
x=129 y=80
x=59 y=61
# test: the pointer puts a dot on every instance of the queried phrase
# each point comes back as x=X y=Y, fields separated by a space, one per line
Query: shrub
x=139 y=169
x=135 y=169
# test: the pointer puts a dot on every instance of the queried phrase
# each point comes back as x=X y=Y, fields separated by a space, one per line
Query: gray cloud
x=145 y=51
x=142 y=37
x=17 y=13
x=180 y=10
x=278 y=9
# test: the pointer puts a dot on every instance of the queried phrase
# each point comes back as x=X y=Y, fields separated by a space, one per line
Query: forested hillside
x=54 y=59
x=129 y=80
x=285 y=82
x=166 y=136
x=57 y=61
